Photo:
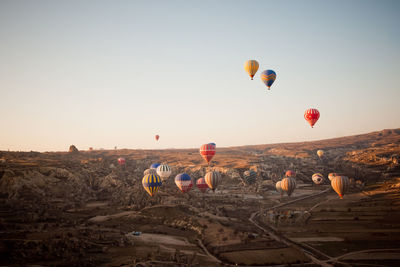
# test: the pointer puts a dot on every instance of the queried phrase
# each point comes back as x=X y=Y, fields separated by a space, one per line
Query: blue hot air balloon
x=154 y=165
x=268 y=77
x=151 y=183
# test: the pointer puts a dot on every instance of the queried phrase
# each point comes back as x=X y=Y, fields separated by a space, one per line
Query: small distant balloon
x=154 y=165
x=151 y=183
x=290 y=173
x=164 y=171
x=184 y=182
x=149 y=171
x=207 y=151
x=317 y=178
x=279 y=187
x=213 y=178
x=157 y=137
x=340 y=184
x=288 y=185
x=311 y=116
x=251 y=66
x=268 y=77
x=121 y=161
x=202 y=185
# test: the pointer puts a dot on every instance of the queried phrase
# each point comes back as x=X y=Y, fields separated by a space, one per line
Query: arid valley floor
x=77 y=209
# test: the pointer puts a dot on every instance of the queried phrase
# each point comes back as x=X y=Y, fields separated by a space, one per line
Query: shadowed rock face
x=48 y=200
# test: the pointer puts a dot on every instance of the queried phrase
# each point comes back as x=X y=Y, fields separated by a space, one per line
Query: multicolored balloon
x=268 y=77
x=212 y=178
x=157 y=137
x=311 y=115
x=331 y=175
x=320 y=153
x=207 y=151
x=250 y=176
x=340 y=184
x=251 y=66
x=183 y=182
x=290 y=173
x=279 y=187
x=202 y=185
x=288 y=185
x=151 y=183
x=154 y=165
x=317 y=178
x=121 y=161
x=164 y=171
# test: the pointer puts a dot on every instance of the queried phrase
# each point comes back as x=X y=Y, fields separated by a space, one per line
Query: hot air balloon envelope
x=201 y=185
x=251 y=66
x=151 y=183
x=207 y=151
x=154 y=165
x=212 y=178
x=268 y=77
x=311 y=116
x=164 y=171
x=183 y=182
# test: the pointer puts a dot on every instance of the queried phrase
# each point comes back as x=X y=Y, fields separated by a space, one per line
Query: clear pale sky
x=115 y=73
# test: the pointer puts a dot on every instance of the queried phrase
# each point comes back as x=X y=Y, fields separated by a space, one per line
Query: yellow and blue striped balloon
x=151 y=183
x=251 y=66
x=268 y=77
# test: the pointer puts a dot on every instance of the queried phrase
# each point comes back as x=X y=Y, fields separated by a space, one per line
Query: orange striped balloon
x=251 y=66
x=288 y=185
x=212 y=178
x=340 y=184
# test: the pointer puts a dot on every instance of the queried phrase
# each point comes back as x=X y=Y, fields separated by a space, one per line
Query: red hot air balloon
x=202 y=185
x=207 y=151
x=311 y=115
x=290 y=173
x=121 y=161
x=157 y=137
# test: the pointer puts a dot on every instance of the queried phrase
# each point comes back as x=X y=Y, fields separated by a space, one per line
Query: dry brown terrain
x=68 y=209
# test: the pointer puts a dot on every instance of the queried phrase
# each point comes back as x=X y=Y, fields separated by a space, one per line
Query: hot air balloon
x=151 y=183
x=157 y=137
x=288 y=185
x=320 y=153
x=150 y=171
x=183 y=182
x=268 y=77
x=317 y=178
x=121 y=161
x=154 y=165
x=251 y=66
x=250 y=176
x=340 y=184
x=164 y=171
x=311 y=115
x=279 y=187
x=290 y=173
x=331 y=175
x=212 y=178
x=202 y=185
x=207 y=151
